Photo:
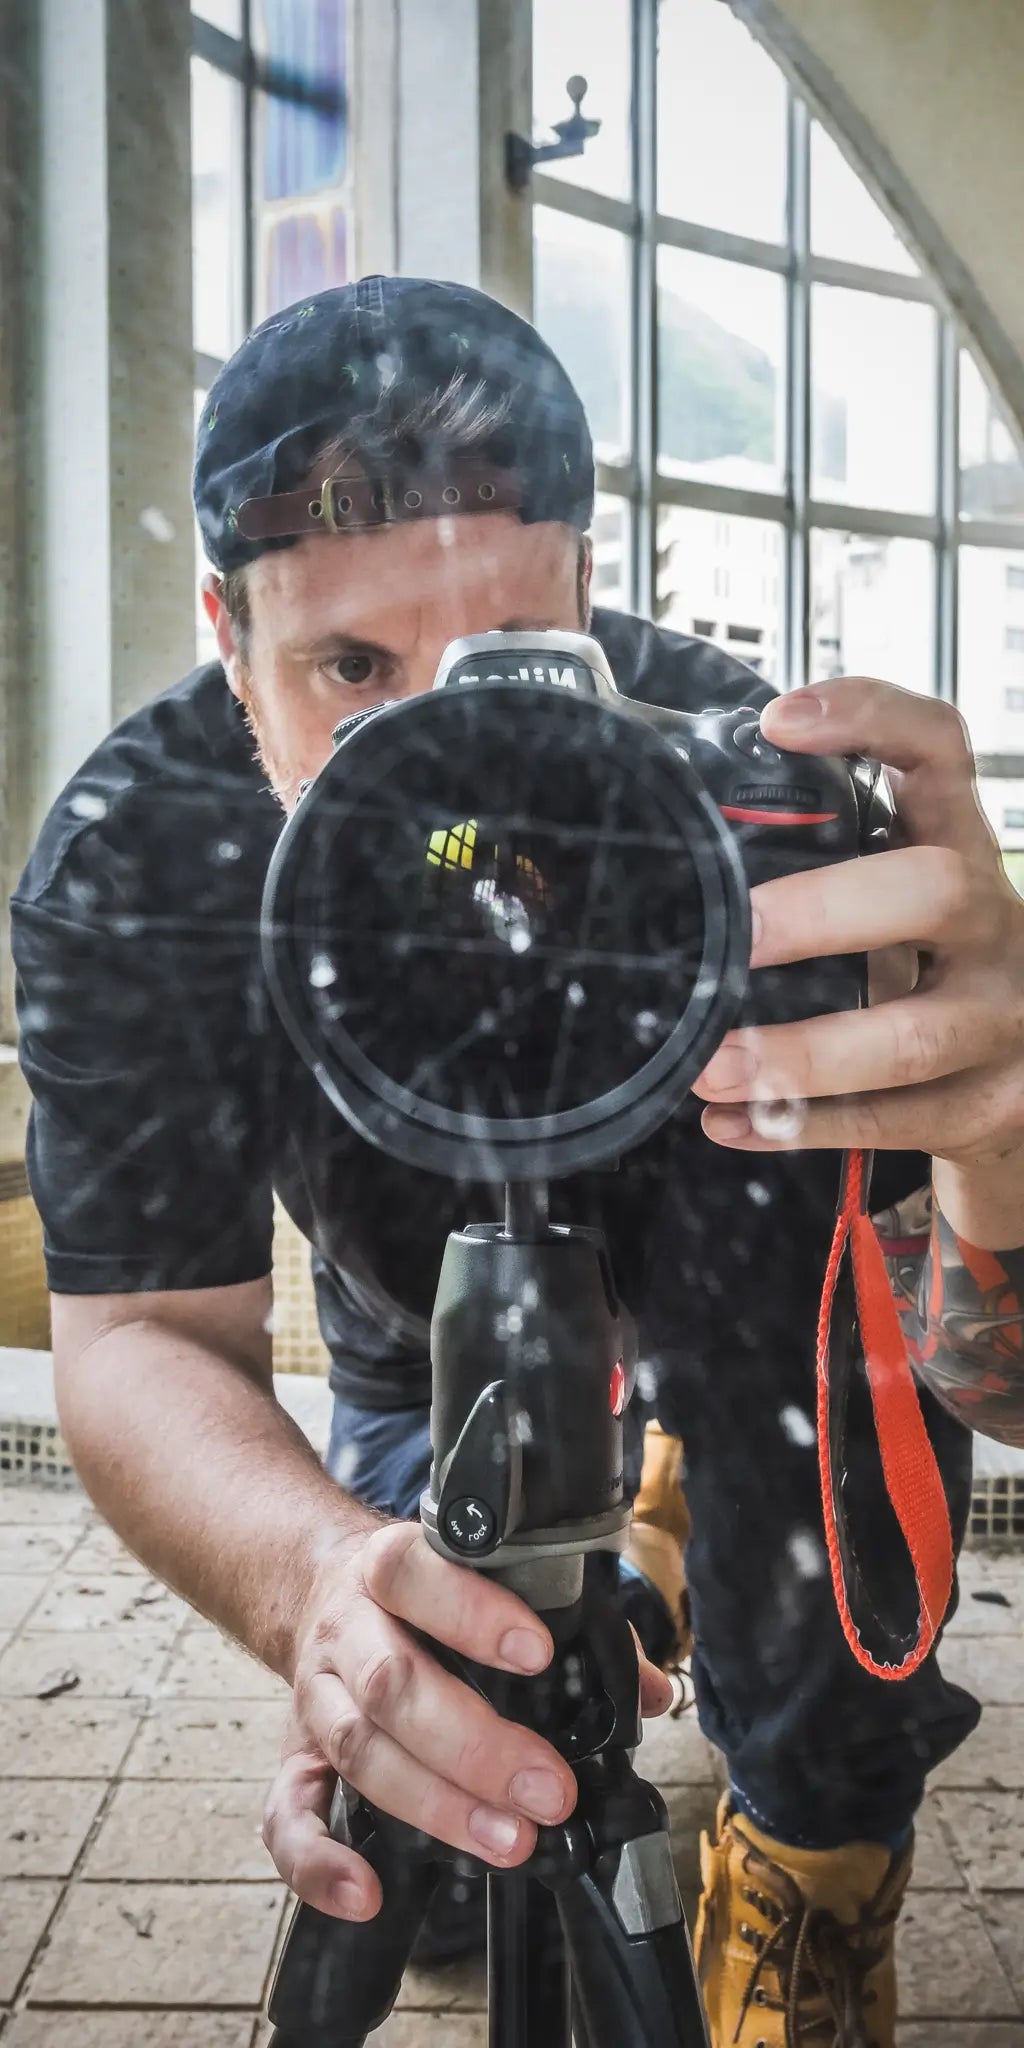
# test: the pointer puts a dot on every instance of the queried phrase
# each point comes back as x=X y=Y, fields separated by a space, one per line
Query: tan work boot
x=661 y=1529
x=795 y=1946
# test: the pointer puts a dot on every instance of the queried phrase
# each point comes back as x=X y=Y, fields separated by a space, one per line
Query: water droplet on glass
x=782 y=1121
x=646 y=1380
x=759 y=1194
x=227 y=850
x=806 y=1554
x=156 y=523
x=86 y=804
x=321 y=971
x=576 y=994
x=645 y=1027
x=797 y=1426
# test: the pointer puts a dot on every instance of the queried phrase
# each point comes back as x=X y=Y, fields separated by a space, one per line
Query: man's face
x=341 y=623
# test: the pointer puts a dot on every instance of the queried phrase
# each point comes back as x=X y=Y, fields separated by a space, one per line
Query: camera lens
x=505 y=918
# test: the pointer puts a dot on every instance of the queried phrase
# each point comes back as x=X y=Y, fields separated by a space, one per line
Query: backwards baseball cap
x=330 y=369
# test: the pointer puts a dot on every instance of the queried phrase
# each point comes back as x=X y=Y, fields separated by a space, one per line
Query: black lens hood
x=372 y=751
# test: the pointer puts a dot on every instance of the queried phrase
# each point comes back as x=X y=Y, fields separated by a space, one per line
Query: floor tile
x=674 y=1752
x=205 y=1666
x=25 y=1907
x=91 y=1600
x=141 y=1835
x=33 y=2029
x=988 y=1832
x=19 y=1593
x=98 y=1550
x=44 y=1822
x=992 y=1756
x=35 y=1547
x=416 y=2030
x=960 y=2034
x=68 y=1738
x=109 y=1664
x=209 y=1738
x=1003 y=1914
x=946 y=1963
x=690 y=1808
x=46 y=1505
x=992 y=1671
x=935 y=1863
x=160 y=1944
x=457 y=1987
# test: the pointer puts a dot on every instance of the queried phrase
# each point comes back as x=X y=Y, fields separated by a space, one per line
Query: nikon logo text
x=561 y=678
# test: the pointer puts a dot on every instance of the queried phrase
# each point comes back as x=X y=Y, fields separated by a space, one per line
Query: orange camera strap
x=909 y=1466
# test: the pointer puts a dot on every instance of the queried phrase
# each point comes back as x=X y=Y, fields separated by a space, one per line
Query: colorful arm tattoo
x=962 y=1312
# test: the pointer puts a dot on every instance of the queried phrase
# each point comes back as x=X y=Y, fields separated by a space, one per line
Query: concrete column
x=113 y=601
x=16 y=74
x=435 y=90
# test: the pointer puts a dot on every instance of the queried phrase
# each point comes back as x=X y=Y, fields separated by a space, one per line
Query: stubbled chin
x=285 y=782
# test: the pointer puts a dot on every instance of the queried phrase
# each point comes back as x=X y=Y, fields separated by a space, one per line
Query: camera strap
x=857 y=1292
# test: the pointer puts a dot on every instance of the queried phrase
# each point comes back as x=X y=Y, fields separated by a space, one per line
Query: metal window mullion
x=644 y=307
x=798 y=398
x=248 y=180
x=947 y=497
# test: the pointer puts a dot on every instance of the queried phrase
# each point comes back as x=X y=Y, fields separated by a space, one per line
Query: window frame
x=236 y=56
x=640 y=485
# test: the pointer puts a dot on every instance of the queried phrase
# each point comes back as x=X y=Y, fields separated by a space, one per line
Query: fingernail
x=658 y=1693
x=348 y=1900
x=730 y=1068
x=524 y=1649
x=798 y=708
x=539 y=1793
x=493 y=1830
x=726 y=1125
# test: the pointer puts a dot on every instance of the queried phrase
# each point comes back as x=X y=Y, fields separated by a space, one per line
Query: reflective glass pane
x=872 y=609
x=872 y=401
x=720 y=576
x=224 y=14
x=720 y=365
x=588 y=38
x=301 y=148
x=302 y=251
x=609 y=533
x=845 y=221
x=1003 y=804
x=218 y=238
x=991 y=675
x=581 y=306
x=206 y=644
x=991 y=453
x=721 y=123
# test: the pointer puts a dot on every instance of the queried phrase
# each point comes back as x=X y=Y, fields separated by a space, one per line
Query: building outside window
x=271 y=177
x=797 y=459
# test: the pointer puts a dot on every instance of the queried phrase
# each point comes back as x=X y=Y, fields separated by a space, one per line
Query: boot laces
x=819 y=1960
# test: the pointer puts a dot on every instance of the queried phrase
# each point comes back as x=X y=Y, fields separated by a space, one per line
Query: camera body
x=785 y=812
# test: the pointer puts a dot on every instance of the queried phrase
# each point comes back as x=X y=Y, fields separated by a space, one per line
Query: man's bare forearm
x=962 y=1308
x=205 y=1476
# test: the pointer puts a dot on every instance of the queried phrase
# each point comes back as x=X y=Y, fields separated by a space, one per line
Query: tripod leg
x=632 y=1966
x=338 y=1979
x=527 y=1971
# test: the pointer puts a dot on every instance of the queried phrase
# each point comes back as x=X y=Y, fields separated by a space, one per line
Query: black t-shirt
x=169 y=1105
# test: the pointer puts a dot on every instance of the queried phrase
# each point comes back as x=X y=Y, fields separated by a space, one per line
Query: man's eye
x=353 y=668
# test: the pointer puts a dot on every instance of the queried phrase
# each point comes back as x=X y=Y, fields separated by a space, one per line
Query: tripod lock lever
x=482 y=1478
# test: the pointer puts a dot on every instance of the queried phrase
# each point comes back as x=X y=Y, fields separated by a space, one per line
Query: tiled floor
x=137 y=1901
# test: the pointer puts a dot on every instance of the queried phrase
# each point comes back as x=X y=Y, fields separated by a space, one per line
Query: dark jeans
x=819 y=1753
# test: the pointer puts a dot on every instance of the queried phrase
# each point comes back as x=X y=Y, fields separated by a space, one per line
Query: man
x=167 y=1105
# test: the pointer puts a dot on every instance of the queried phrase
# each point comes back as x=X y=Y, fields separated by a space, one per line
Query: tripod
x=587 y=1940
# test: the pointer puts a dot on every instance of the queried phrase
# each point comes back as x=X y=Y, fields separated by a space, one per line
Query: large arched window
x=797 y=458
